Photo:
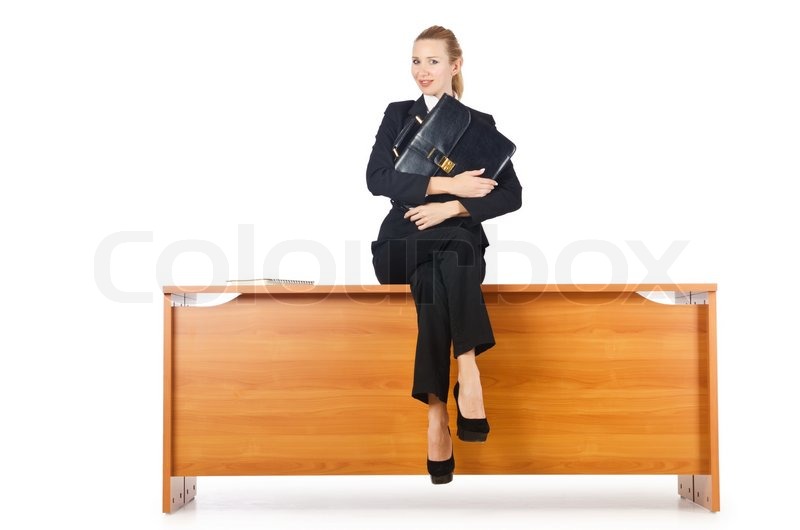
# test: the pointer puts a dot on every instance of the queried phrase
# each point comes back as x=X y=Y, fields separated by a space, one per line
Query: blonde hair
x=453 y=52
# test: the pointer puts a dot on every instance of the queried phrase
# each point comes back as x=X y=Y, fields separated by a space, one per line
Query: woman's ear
x=456 y=66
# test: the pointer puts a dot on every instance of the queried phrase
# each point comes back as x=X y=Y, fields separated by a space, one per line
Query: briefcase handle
x=408 y=131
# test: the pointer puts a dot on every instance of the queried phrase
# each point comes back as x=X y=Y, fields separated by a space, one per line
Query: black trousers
x=445 y=268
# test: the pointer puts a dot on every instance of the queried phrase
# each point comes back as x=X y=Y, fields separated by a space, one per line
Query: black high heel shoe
x=469 y=429
x=441 y=471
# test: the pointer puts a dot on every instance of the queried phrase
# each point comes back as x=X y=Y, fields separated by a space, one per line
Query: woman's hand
x=433 y=213
x=467 y=184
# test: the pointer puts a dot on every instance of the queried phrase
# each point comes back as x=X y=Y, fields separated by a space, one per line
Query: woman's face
x=431 y=68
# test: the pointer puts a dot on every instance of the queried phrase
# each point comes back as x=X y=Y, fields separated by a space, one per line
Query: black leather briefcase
x=449 y=140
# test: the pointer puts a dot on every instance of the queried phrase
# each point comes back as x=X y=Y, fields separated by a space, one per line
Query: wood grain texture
x=319 y=383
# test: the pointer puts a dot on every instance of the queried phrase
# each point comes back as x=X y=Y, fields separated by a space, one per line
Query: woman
x=438 y=248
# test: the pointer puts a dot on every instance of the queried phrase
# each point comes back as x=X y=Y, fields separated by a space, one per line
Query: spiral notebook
x=270 y=281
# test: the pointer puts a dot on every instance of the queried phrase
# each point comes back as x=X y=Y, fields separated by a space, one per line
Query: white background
x=232 y=137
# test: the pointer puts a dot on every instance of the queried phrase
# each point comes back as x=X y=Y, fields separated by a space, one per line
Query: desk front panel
x=320 y=384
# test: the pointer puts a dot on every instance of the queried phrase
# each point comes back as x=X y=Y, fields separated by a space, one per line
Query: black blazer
x=408 y=188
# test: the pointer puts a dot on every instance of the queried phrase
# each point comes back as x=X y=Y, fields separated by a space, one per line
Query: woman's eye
x=414 y=61
x=434 y=61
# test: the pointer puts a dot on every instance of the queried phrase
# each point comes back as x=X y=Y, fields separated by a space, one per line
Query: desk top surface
x=487 y=288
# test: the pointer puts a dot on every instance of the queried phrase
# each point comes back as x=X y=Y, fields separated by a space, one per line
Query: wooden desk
x=299 y=380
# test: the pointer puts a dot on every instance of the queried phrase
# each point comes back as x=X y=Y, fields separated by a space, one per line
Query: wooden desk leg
x=704 y=489
x=176 y=491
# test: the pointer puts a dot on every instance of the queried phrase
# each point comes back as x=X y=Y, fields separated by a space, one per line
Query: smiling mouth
x=426 y=82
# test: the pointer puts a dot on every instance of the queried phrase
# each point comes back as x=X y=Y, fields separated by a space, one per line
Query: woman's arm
x=431 y=214
x=506 y=198
x=410 y=188
x=466 y=184
x=476 y=197
x=382 y=179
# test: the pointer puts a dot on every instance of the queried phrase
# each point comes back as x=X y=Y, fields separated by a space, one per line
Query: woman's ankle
x=437 y=412
x=468 y=372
